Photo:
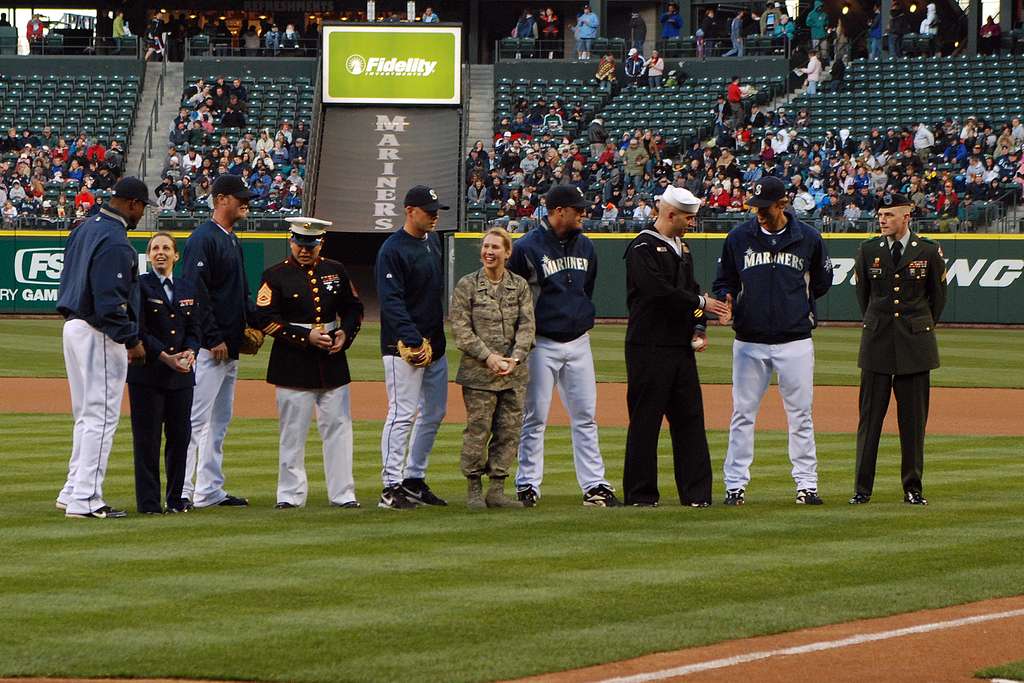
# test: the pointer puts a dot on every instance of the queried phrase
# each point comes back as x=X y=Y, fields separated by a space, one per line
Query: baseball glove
x=410 y=354
x=252 y=340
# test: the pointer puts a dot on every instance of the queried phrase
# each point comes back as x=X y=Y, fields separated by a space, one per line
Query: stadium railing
x=212 y=46
x=514 y=49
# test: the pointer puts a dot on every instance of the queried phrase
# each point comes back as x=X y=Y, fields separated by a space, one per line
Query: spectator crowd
x=52 y=177
x=947 y=168
x=208 y=138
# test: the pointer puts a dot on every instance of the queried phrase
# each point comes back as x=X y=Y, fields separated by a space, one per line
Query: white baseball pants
x=97 y=368
x=334 y=420
x=212 y=406
x=568 y=366
x=752 y=367
x=417 y=402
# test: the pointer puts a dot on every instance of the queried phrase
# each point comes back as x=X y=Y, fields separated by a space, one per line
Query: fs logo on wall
x=412 y=64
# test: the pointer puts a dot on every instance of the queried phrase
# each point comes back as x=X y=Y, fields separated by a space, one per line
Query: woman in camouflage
x=492 y=322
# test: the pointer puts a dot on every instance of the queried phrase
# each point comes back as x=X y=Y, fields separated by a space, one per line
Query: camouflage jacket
x=483 y=324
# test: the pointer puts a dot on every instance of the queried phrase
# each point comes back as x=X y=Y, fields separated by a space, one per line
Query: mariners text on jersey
x=551 y=266
x=753 y=258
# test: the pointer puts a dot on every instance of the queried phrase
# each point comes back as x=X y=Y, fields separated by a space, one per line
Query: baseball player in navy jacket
x=560 y=264
x=99 y=299
x=772 y=269
x=410 y=284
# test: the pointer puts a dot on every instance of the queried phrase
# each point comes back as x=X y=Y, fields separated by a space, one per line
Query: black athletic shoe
x=644 y=504
x=699 y=504
x=179 y=510
x=418 y=492
x=185 y=505
x=601 y=496
x=233 y=502
x=860 y=499
x=151 y=512
x=285 y=506
x=393 y=498
x=914 y=498
x=350 y=505
x=105 y=512
x=808 y=497
x=527 y=496
x=735 y=497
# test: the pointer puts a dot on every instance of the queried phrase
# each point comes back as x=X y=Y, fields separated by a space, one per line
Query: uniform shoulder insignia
x=870 y=240
x=265 y=295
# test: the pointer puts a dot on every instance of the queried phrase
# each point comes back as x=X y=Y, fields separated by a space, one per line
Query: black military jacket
x=901 y=304
x=661 y=293
x=170 y=325
x=321 y=294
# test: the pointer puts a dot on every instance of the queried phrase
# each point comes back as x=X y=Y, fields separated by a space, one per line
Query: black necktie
x=897 y=252
x=169 y=288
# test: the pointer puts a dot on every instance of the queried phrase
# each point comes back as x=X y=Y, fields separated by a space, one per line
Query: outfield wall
x=986 y=272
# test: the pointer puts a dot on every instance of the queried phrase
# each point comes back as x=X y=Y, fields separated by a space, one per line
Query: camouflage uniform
x=485 y=319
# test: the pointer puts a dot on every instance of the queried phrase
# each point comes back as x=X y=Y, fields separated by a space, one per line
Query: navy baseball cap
x=566 y=196
x=232 y=185
x=766 y=192
x=133 y=188
x=425 y=198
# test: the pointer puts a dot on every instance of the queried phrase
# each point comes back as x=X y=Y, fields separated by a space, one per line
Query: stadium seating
x=589 y=94
x=103 y=106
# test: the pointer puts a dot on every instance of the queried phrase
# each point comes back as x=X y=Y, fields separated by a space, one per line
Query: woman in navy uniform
x=160 y=392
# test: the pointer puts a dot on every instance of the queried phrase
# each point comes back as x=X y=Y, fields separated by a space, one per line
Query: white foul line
x=811 y=647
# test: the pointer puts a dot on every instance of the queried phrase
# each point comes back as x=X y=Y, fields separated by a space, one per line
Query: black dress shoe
x=177 y=511
x=350 y=505
x=860 y=499
x=184 y=506
x=643 y=504
x=152 y=512
x=285 y=506
x=233 y=502
x=914 y=498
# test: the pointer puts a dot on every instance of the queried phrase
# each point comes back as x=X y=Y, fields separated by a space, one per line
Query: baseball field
x=322 y=594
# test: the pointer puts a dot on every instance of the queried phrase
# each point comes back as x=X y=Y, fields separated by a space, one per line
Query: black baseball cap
x=566 y=196
x=893 y=200
x=766 y=192
x=232 y=185
x=425 y=198
x=133 y=188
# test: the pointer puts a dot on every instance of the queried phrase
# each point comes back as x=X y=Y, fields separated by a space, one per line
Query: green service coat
x=901 y=304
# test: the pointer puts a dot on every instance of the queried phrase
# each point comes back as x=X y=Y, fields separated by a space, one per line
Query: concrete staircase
x=173 y=83
x=481 y=107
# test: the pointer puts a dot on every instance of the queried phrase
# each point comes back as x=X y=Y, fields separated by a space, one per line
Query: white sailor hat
x=308 y=231
x=680 y=198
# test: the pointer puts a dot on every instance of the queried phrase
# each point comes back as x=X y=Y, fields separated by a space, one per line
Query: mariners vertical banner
x=392 y=64
x=371 y=156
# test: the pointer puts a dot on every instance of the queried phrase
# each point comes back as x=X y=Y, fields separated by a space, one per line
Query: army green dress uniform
x=292 y=299
x=488 y=318
x=901 y=301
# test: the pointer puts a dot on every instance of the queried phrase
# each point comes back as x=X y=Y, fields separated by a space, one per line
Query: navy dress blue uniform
x=99 y=299
x=160 y=398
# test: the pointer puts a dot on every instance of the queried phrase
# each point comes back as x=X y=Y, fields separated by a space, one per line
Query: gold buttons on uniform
x=172 y=315
x=896 y=314
x=896 y=301
x=174 y=331
x=897 y=276
x=316 y=290
x=316 y=299
x=310 y=273
x=895 y=289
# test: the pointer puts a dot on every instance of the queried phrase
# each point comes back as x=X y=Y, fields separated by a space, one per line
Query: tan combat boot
x=475 y=494
x=496 y=497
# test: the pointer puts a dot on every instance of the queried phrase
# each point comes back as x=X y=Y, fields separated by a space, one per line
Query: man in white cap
x=308 y=304
x=666 y=326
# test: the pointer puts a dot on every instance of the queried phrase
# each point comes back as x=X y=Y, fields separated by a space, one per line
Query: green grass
x=328 y=595
x=970 y=358
x=1014 y=671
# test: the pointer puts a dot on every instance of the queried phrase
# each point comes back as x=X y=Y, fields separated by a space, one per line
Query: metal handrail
x=312 y=161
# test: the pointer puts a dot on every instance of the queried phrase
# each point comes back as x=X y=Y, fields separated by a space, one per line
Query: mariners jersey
x=99 y=282
x=562 y=274
x=774 y=280
x=291 y=300
x=901 y=302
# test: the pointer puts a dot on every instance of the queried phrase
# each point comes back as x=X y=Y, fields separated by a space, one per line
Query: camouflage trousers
x=490 y=440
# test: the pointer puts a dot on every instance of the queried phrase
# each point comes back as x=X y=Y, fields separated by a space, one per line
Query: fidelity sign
x=392 y=64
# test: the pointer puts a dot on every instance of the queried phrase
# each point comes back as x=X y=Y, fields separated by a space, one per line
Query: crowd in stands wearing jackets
x=56 y=177
x=272 y=162
x=946 y=168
